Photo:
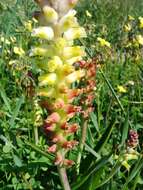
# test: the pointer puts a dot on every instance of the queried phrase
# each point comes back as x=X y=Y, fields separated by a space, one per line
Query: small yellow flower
x=127 y=27
x=130 y=18
x=19 y=51
x=103 y=42
x=140 y=22
x=44 y=32
x=74 y=33
x=4 y=40
x=88 y=13
x=139 y=39
x=12 y=39
x=121 y=89
x=28 y=25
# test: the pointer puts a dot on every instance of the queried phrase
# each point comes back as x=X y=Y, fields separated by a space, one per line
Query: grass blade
x=16 y=110
x=5 y=98
x=101 y=163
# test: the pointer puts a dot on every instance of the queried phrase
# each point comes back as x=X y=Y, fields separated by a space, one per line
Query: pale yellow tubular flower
x=47 y=79
x=75 y=51
x=73 y=60
x=139 y=39
x=140 y=22
x=54 y=64
x=41 y=51
x=75 y=76
x=103 y=42
x=121 y=89
x=74 y=33
x=50 y=14
x=46 y=92
x=60 y=44
x=44 y=32
x=67 y=69
x=18 y=51
x=69 y=20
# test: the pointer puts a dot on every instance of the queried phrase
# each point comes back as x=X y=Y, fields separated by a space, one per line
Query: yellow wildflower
x=121 y=89
x=19 y=51
x=28 y=25
x=103 y=42
x=127 y=27
x=88 y=13
x=130 y=18
x=139 y=39
x=140 y=22
x=4 y=40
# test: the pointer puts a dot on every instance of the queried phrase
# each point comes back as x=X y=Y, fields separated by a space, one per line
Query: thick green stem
x=64 y=178
x=36 y=134
x=81 y=145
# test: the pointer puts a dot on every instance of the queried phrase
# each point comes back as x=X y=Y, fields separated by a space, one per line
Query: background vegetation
x=118 y=103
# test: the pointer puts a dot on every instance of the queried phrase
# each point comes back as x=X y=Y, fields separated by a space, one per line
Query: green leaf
x=104 y=138
x=5 y=98
x=112 y=173
x=17 y=161
x=92 y=151
x=125 y=129
x=94 y=121
x=37 y=149
x=16 y=110
x=7 y=148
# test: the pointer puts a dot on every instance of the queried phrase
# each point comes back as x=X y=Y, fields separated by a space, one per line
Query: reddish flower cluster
x=133 y=139
x=87 y=92
x=57 y=125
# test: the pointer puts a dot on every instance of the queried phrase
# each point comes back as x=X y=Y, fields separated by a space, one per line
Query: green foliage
x=24 y=165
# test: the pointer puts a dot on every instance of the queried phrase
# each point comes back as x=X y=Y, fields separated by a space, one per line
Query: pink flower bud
x=58 y=159
x=49 y=127
x=64 y=126
x=69 y=144
x=58 y=138
x=68 y=163
x=73 y=93
x=59 y=104
x=52 y=149
x=73 y=128
x=53 y=118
